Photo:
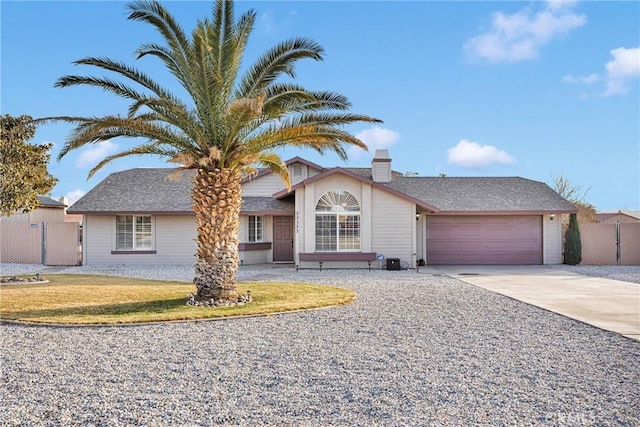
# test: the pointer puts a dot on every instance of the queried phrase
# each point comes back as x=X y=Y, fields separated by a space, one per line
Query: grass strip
x=89 y=300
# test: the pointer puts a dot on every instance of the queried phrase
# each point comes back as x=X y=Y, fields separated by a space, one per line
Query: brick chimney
x=381 y=166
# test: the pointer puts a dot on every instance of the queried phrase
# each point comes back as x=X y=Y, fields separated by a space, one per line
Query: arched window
x=337 y=222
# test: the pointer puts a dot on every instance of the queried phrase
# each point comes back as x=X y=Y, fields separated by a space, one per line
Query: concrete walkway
x=607 y=304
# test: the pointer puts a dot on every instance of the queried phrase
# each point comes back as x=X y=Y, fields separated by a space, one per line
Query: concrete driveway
x=608 y=304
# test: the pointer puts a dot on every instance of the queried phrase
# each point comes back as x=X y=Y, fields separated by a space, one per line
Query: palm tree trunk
x=217 y=199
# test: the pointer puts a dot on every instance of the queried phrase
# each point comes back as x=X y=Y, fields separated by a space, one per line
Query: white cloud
x=560 y=4
x=74 y=195
x=588 y=80
x=619 y=74
x=92 y=155
x=470 y=154
x=271 y=25
x=622 y=69
x=375 y=138
x=520 y=36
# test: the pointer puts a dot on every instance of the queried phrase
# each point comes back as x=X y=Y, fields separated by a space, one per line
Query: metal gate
x=610 y=244
x=48 y=243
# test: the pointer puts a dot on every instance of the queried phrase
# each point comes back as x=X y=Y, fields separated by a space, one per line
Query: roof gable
x=289 y=162
x=359 y=177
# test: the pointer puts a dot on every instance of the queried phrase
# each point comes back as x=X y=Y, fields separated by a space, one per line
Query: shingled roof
x=476 y=194
x=265 y=205
x=167 y=191
x=48 y=202
x=159 y=191
x=483 y=194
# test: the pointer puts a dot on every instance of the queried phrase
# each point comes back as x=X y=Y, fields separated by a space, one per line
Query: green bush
x=573 y=244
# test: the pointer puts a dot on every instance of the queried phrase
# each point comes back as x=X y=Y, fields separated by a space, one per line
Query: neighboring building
x=42 y=236
x=49 y=210
x=342 y=217
x=619 y=216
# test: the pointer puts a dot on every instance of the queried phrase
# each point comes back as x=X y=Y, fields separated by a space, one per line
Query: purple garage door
x=484 y=240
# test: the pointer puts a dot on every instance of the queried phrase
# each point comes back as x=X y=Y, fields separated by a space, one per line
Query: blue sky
x=531 y=89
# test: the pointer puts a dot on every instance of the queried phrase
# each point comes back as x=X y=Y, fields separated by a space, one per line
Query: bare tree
x=576 y=194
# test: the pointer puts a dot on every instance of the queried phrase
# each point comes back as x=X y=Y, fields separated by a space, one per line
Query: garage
x=484 y=240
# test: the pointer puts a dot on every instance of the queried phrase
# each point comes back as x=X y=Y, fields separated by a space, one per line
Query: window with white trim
x=133 y=232
x=337 y=222
x=256 y=228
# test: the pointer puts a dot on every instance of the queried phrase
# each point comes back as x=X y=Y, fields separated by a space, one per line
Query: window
x=256 y=227
x=133 y=232
x=337 y=222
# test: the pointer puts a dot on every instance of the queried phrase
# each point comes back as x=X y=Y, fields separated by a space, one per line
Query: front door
x=283 y=239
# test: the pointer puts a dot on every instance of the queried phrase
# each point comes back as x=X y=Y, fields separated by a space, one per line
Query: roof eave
x=508 y=212
x=129 y=212
x=267 y=212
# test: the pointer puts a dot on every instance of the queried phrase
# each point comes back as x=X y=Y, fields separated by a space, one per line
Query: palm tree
x=230 y=124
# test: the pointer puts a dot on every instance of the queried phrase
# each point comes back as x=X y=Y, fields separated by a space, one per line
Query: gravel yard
x=415 y=349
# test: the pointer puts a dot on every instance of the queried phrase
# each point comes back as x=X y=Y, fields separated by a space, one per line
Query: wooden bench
x=321 y=257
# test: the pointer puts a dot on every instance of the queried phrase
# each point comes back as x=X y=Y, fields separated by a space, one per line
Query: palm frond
x=243 y=29
x=228 y=120
x=175 y=65
x=275 y=62
x=139 y=150
x=91 y=130
x=274 y=163
x=286 y=100
x=154 y=13
x=321 y=138
x=124 y=70
x=104 y=83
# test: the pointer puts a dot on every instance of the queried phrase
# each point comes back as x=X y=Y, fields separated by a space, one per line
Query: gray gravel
x=414 y=349
x=626 y=273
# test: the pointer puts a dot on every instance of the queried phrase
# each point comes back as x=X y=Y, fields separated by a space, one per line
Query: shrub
x=573 y=245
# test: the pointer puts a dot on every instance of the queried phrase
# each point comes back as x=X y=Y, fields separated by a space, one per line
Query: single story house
x=48 y=210
x=341 y=217
x=619 y=216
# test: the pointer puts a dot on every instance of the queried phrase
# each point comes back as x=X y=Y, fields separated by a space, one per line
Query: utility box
x=393 y=263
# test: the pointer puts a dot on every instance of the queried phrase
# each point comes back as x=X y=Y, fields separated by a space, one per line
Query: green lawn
x=86 y=300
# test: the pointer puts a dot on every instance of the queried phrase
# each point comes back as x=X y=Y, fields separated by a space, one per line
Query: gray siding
x=421 y=238
x=99 y=231
x=392 y=227
x=381 y=171
x=173 y=241
x=552 y=239
x=255 y=257
x=263 y=186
